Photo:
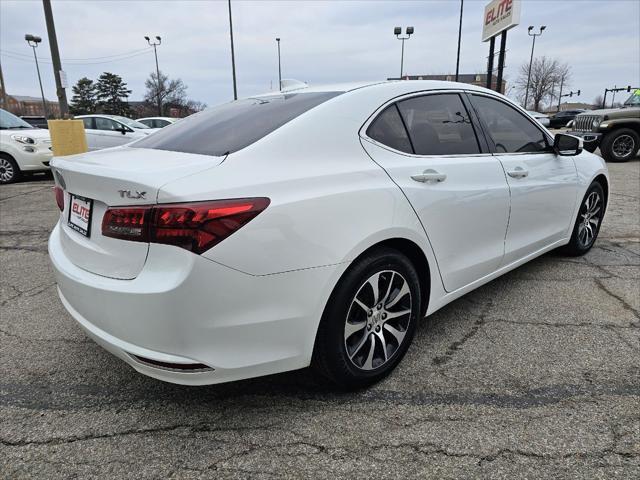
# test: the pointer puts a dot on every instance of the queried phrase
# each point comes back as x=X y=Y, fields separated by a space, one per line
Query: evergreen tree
x=112 y=94
x=84 y=97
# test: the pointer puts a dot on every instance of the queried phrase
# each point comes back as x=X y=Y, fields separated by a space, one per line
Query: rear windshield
x=231 y=127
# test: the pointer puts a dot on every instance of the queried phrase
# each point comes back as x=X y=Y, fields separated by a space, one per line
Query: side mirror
x=567 y=145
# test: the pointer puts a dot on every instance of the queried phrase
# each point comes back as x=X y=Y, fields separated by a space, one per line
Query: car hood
x=615 y=112
x=35 y=133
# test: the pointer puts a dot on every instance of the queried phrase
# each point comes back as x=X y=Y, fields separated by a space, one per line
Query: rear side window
x=233 y=126
x=439 y=125
x=88 y=123
x=388 y=129
x=509 y=129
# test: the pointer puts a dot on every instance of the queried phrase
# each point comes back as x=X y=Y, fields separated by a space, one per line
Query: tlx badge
x=127 y=194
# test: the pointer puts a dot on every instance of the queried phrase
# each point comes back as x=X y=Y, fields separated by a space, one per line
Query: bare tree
x=547 y=74
x=598 y=101
x=171 y=91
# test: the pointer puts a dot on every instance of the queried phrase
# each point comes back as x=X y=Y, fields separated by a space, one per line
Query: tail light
x=193 y=226
x=59 y=193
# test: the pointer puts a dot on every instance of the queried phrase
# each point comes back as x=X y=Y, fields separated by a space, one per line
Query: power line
x=71 y=60
x=13 y=56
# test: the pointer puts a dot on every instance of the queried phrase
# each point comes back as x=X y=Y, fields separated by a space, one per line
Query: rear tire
x=620 y=145
x=364 y=334
x=587 y=226
x=9 y=170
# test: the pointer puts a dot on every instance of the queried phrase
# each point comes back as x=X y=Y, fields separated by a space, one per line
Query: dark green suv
x=616 y=131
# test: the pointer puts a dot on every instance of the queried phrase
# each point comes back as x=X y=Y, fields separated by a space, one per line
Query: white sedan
x=23 y=148
x=541 y=118
x=104 y=131
x=311 y=227
x=157 y=122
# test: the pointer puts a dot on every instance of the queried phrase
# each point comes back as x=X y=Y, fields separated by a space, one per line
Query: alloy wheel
x=6 y=170
x=591 y=214
x=378 y=320
x=623 y=146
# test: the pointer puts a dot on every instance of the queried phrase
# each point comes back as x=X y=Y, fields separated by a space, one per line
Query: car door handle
x=518 y=172
x=429 y=176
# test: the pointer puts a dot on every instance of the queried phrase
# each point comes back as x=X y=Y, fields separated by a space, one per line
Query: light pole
x=154 y=44
x=397 y=31
x=33 y=42
x=233 y=56
x=459 y=39
x=279 y=67
x=533 y=45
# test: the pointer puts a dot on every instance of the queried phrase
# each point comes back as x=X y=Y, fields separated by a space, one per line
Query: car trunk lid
x=108 y=178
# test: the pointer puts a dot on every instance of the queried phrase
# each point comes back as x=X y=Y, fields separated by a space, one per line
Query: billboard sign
x=500 y=15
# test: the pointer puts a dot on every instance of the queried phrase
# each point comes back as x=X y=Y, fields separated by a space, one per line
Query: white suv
x=23 y=148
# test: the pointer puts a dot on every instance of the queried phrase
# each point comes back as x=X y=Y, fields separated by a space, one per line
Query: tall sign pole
x=233 y=55
x=499 y=16
x=459 y=40
x=55 y=56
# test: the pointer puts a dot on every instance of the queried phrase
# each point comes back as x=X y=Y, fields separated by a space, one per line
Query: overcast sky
x=322 y=41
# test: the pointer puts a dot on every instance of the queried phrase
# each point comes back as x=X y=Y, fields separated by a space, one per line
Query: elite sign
x=500 y=15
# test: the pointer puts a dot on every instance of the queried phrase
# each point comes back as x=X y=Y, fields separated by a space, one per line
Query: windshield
x=233 y=126
x=128 y=122
x=9 y=120
x=633 y=100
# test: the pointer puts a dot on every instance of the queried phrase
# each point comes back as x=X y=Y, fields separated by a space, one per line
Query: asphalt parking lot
x=535 y=375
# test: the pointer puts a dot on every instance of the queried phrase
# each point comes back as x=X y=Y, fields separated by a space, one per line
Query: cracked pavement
x=535 y=375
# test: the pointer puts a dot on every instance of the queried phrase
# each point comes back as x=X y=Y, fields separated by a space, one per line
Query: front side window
x=439 y=125
x=388 y=129
x=233 y=126
x=509 y=129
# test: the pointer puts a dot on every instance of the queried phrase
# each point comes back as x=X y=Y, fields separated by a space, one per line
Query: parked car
x=36 y=121
x=23 y=148
x=314 y=226
x=104 y=131
x=157 y=122
x=561 y=119
x=615 y=130
x=541 y=118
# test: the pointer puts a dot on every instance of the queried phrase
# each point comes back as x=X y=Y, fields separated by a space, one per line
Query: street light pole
x=533 y=45
x=33 y=42
x=279 y=67
x=155 y=52
x=459 y=40
x=233 y=56
x=397 y=31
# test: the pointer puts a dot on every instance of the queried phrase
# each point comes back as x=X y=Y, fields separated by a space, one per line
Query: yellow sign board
x=67 y=137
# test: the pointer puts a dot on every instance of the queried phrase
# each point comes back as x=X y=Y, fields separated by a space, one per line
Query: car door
x=429 y=147
x=111 y=133
x=543 y=185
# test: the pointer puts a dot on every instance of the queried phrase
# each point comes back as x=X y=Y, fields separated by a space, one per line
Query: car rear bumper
x=184 y=309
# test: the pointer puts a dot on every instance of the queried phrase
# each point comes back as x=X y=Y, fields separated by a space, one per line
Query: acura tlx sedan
x=314 y=226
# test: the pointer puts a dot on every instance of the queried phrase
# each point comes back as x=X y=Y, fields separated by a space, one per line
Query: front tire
x=587 y=226
x=369 y=320
x=9 y=170
x=620 y=145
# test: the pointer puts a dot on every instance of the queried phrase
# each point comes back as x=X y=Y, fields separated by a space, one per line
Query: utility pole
x=4 y=91
x=560 y=95
x=155 y=52
x=279 y=67
x=459 y=40
x=233 y=56
x=533 y=45
x=55 y=57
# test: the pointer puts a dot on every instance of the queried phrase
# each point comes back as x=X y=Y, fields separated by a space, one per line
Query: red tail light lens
x=193 y=226
x=59 y=193
x=127 y=223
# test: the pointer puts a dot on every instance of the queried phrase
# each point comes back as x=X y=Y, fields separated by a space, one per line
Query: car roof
x=156 y=118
